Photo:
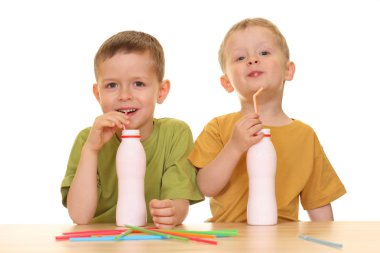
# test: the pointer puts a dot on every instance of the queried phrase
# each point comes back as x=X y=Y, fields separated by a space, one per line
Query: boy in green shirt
x=129 y=71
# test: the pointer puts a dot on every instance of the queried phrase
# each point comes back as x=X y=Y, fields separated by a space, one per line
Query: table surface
x=355 y=237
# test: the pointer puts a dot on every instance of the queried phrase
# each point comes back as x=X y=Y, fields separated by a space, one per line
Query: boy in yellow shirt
x=129 y=71
x=255 y=54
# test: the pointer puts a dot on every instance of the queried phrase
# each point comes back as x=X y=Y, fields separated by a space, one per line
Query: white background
x=46 y=76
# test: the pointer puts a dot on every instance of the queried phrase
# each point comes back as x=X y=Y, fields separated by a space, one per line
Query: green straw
x=157 y=233
x=124 y=234
x=218 y=233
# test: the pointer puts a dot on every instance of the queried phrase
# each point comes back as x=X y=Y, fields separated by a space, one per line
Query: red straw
x=95 y=231
x=89 y=233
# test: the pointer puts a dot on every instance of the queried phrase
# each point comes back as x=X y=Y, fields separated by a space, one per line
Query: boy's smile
x=128 y=111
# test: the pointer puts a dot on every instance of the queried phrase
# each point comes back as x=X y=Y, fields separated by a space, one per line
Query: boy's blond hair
x=129 y=42
x=247 y=23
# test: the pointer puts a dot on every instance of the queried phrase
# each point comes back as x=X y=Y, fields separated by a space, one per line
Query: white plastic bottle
x=261 y=166
x=130 y=169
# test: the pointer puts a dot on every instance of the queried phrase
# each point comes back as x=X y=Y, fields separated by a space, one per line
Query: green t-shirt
x=169 y=174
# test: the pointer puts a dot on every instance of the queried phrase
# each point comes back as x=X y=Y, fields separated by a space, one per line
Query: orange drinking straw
x=254 y=100
x=175 y=232
x=192 y=237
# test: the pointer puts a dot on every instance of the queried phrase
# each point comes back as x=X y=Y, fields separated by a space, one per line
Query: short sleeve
x=179 y=178
x=324 y=185
x=207 y=146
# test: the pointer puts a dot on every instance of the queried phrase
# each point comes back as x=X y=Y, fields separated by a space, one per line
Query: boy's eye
x=139 y=84
x=111 y=85
x=240 y=58
x=264 y=53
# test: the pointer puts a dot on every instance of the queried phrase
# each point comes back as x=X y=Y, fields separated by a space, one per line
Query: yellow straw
x=254 y=99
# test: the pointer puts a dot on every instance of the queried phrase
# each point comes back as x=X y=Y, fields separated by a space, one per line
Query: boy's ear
x=164 y=91
x=225 y=82
x=290 y=70
x=95 y=91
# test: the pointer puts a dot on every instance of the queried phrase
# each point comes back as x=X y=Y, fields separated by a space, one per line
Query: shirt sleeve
x=207 y=146
x=179 y=178
x=324 y=185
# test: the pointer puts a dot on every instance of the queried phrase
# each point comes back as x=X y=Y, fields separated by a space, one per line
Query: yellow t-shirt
x=303 y=170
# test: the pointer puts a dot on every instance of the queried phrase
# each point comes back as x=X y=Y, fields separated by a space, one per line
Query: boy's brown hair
x=247 y=23
x=132 y=41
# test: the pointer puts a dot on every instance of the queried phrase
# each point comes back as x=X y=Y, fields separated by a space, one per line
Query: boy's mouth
x=127 y=111
x=255 y=73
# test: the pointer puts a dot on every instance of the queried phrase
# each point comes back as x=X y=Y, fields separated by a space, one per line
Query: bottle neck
x=130 y=133
x=265 y=131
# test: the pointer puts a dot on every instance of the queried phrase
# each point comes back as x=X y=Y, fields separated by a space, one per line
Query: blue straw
x=320 y=241
x=113 y=238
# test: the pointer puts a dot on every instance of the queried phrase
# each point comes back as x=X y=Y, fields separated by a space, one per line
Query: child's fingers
x=254 y=130
x=250 y=116
x=112 y=120
x=248 y=122
x=163 y=222
x=155 y=203
x=162 y=212
x=164 y=226
x=119 y=119
x=101 y=123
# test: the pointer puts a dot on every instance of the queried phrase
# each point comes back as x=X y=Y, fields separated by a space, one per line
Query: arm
x=323 y=213
x=82 y=198
x=168 y=213
x=212 y=178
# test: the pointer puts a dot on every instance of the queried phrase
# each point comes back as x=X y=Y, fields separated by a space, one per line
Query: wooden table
x=355 y=237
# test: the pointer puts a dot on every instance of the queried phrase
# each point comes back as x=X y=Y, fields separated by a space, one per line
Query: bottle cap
x=266 y=132
x=130 y=133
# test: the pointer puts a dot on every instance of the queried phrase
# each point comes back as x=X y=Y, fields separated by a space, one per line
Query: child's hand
x=244 y=134
x=104 y=127
x=163 y=213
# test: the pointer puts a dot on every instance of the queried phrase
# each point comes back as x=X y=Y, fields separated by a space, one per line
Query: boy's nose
x=250 y=62
x=125 y=94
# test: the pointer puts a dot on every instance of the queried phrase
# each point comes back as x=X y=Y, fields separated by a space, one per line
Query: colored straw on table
x=185 y=233
x=217 y=233
x=112 y=238
x=124 y=234
x=121 y=234
x=96 y=231
x=320 y=241
x=67 y=236
x=156 y=233
x=191 y=236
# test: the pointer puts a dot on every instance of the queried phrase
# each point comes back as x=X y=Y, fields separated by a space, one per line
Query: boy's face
x=254 y=59
x=127 y=82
